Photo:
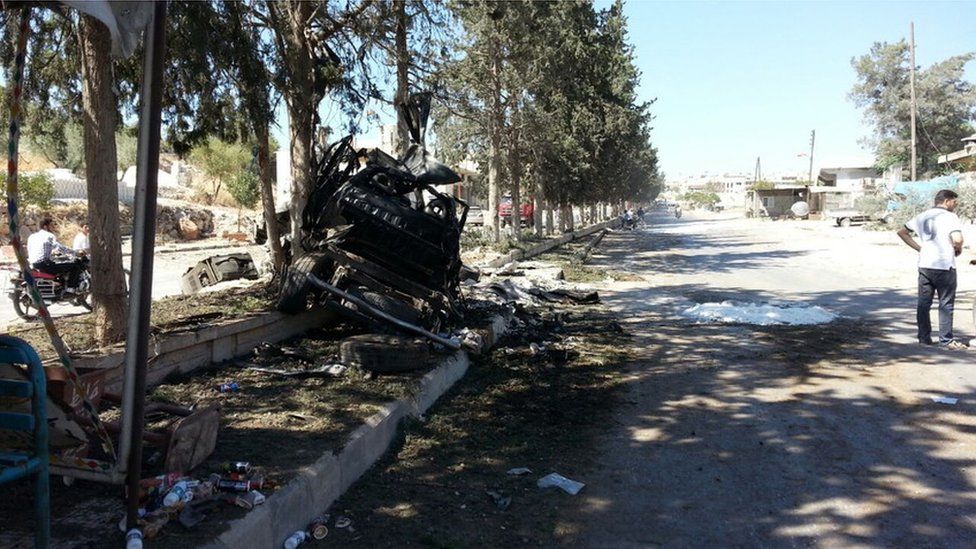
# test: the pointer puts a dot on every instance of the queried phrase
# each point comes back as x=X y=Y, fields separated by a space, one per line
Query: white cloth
x=41 y=244
x=81 y=242
x=934 y=227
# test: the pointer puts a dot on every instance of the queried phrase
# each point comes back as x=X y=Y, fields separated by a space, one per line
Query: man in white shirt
x=940 y=233
x=81 y=244
x=42 y=244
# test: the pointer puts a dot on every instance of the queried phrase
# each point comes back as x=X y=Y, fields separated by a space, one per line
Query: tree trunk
x=109 y=293
x=515 y=172
x=302 y=101
x=537 y=205
x=549 y=226
x=495 y=143
x=593 y=218
x=403 y=82
x=267 y=193
x=570 y=219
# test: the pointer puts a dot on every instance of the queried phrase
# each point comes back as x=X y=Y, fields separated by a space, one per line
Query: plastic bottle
x=177 y=493
x=296 y=539
x=133 y=540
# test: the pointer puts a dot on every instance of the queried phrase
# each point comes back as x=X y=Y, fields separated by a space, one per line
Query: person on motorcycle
x=81 y=243
x=42 y=244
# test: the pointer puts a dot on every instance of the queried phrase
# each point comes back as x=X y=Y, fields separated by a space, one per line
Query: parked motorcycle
x=52 y=289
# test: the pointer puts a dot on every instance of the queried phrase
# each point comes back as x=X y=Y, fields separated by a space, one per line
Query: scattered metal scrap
x=373 y=249
x=218 y=268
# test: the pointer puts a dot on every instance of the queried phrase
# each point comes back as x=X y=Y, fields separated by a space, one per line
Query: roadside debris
x=319 y=528
x=519 y=471
x=216 y=269
x=343 y=522
x=273 y=352
x=944 y=400
x=372 y=249
x=229 y=387
x=501 y=501
x=188 y=500
x=522 y=291
x=555 y=480
x=328 y=370
x=296 y=539
x=763 y=314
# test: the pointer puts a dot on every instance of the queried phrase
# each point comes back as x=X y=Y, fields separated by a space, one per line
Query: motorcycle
x=52 y=289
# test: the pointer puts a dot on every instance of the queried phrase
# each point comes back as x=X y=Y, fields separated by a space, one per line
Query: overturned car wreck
x=373 y=250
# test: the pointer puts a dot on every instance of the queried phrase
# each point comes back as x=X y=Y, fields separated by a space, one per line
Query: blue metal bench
x=17 y=420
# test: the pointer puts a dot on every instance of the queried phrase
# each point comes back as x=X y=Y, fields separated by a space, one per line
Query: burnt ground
x=279 y=424
x=513 y=409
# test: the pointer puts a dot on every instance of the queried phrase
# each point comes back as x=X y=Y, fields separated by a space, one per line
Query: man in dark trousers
x=940 y=233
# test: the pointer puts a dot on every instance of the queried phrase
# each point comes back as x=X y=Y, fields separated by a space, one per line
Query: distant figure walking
x=940 y=233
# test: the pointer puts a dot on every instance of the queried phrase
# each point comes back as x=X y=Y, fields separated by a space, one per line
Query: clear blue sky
x=737 y=80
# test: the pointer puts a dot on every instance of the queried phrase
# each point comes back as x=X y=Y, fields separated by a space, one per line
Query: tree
x=109 y=291
x=946 y=104
x=35 y=188
x=245 y=188
x=220 y=161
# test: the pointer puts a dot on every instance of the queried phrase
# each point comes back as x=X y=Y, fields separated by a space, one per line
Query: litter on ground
x=944 y=400
x=555 y=480
x=730 y=312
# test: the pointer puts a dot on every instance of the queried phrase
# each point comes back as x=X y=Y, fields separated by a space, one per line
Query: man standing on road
x=940 y=233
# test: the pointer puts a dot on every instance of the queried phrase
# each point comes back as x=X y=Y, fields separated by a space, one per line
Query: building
x=965 y=158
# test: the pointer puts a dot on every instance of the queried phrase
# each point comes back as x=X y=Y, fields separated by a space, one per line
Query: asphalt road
x=168 y=268
x=734 y=435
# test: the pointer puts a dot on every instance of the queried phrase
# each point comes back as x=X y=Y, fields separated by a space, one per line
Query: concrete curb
x=185 y=352
x=544 y=247
x=322 y=483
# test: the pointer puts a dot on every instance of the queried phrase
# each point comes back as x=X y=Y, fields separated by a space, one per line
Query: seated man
x=42 y=244
x=81 y=244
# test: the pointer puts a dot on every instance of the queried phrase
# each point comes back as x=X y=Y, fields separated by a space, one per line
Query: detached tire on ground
x=385 y=354
x=293 y=297
x=391 y=306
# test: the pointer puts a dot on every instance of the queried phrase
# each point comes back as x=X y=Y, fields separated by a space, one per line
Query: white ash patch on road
x=763 y=314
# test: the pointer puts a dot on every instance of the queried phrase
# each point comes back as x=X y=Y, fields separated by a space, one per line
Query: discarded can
x=296 y=539
x=133 y=539
x=318 y=529
x=230 y=485
x=237 y=467
x=230 y=387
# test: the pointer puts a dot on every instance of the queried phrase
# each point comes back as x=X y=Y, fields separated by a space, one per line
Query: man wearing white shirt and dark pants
x=940 y=233
x=42 y=244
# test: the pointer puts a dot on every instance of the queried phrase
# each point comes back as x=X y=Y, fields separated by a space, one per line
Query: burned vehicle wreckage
x=371 y=249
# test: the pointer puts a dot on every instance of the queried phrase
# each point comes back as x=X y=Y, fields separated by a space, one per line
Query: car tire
x=391 y=306
x=385 y=354
x=844 y=222
x=293 y=297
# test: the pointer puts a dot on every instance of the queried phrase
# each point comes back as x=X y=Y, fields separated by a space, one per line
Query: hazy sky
x=737 y=80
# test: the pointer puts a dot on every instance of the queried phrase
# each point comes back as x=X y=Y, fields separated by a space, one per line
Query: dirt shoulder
x=513 y=409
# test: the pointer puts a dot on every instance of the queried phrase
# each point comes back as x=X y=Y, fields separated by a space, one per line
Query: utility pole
x=758 y=174
x=911 y=49
x=813 y=138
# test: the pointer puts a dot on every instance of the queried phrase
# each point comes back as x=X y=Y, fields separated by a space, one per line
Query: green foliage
x=220 y=161
x=245 y=188
x=762 y=186
x=946 y=104
x=966 y=206
x=699 y=199
x=34 y=188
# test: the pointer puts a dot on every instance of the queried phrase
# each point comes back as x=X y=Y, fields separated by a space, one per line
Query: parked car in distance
x=845 y=217
x=476 y=216
x=526 y=211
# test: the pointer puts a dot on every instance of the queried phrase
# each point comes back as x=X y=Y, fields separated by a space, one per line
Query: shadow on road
x=749 y=435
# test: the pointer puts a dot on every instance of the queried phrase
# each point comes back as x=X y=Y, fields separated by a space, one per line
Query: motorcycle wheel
x=23 y=305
